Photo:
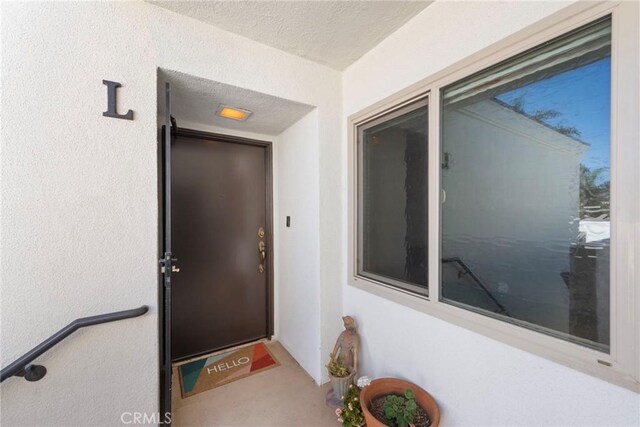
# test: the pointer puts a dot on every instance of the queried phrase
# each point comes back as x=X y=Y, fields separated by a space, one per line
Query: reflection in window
x=525 y=174
x=393 y=198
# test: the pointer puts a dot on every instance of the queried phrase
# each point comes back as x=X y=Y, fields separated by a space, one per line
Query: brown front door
x=221 y=212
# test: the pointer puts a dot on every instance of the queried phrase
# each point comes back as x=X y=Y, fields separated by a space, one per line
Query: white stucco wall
x=476 y=380
x=297 y=246
x=79 y=192
x=79 y=211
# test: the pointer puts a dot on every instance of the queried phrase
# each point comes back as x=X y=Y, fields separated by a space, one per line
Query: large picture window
x=501 y=193
x=525 y=222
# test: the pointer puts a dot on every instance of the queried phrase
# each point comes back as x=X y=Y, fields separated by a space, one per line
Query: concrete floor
x=282 y=396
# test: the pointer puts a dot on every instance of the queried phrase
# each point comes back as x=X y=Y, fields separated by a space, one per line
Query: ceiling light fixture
x=233 y=113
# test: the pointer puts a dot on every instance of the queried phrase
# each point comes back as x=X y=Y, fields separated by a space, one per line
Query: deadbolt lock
x=261 y=232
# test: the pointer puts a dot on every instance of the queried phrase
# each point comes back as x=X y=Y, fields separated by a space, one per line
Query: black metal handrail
x=23 y=367
x=477 y=280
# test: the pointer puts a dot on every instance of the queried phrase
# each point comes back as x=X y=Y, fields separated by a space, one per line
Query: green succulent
x=400 y=411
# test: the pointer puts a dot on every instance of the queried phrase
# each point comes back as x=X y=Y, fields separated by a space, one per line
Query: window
x=393 y=198
x=525 y=222
x=502 y=193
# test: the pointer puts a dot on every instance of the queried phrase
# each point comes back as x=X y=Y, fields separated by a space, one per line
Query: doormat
x=213 y=371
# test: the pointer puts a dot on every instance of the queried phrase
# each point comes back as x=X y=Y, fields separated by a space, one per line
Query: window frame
x=621 y=365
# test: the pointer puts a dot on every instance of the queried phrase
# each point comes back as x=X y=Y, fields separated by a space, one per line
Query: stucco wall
x=79 y=191
x=297 y=246
x=79 y=210
x=477 y=381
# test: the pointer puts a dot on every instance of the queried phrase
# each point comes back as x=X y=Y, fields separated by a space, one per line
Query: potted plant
x=340 y=376
x=394 y=402
x=351 y=414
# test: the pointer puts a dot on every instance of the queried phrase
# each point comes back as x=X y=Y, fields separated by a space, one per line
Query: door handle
x=262 y=250
x=263 y=255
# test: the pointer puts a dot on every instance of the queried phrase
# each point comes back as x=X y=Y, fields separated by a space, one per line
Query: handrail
x=479 y=282
x=23 y=367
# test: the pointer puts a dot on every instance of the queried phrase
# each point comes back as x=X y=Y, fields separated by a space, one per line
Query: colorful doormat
x=213 y=371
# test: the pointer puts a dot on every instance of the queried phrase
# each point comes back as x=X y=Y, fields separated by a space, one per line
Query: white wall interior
x=477 y=381
x=79 y=192
x=297 y=251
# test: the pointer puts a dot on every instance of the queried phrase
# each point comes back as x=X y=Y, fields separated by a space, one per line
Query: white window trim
x=622 y=365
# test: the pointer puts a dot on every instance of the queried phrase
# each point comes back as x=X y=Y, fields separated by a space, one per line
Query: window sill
x=574 y=356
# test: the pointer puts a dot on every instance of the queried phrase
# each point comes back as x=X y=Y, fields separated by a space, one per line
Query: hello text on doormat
x=213 y=371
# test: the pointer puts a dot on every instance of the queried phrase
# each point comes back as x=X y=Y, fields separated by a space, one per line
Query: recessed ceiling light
x=233 y=113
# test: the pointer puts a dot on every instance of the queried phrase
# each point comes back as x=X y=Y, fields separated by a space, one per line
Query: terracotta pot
x=385 y=386
x=341 y=384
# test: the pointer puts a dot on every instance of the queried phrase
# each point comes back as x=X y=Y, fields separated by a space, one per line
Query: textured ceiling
x=333 y=33
x=195 y=100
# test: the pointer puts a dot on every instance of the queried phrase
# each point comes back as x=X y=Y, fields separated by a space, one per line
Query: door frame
x=268 y=146
x=177 y=132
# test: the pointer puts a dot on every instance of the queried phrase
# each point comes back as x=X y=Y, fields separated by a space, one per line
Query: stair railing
x=23 y=366
x=478 y=281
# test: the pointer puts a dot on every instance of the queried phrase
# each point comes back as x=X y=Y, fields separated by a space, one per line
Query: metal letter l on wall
x=111 y=102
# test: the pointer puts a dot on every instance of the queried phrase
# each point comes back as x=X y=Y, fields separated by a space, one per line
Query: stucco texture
x=333 y=33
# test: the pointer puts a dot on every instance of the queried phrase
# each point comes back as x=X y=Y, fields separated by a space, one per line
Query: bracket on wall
x=32 y=372
x=111 y=102
x=174 y=125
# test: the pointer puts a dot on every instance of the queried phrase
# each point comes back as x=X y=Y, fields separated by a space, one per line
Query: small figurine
x=345 y=352
x=343 y=363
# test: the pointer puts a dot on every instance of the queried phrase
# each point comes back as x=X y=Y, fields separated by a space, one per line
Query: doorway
x=221 y=216
x=215 y=195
